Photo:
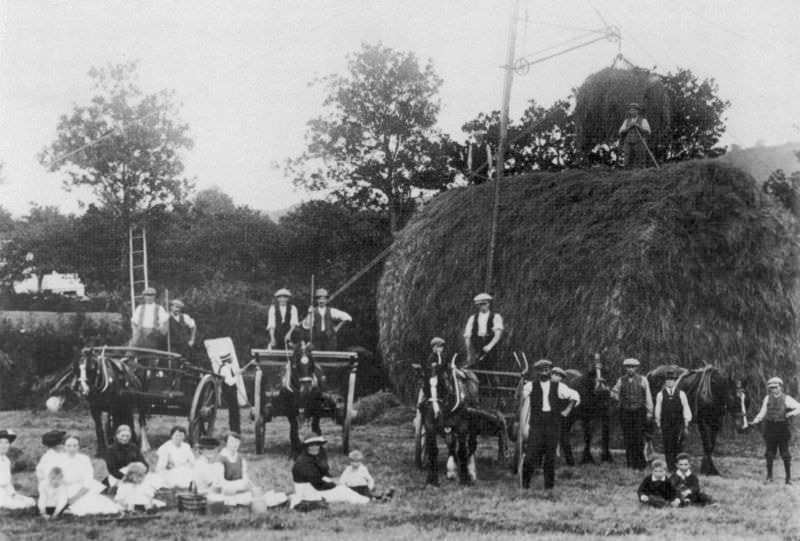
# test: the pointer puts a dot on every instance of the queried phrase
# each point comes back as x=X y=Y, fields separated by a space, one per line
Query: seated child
x=133 y=494
x=686 y=483
x=53 y=494
x=356 y=476
x=656 y=490
x=207 y=474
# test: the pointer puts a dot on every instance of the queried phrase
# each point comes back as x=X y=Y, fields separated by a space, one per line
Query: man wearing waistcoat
x=182 y=330
x=672 y=416
x=776 y=410
x=635 y=409
x=550 y=402
x=483 y=333
x=324 y=322
x=149 y=323
x=282 y=319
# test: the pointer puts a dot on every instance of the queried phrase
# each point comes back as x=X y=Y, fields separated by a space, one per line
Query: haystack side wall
x=685 y=264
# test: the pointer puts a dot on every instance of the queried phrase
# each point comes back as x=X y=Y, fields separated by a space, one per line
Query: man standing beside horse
x=483 y=333
x=672 y=417
x=635 y=409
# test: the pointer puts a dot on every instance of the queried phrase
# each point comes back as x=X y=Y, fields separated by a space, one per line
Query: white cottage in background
x=67 y=284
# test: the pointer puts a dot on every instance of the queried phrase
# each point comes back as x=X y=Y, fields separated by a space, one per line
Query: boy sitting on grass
x=656 y=490
x=686 y=483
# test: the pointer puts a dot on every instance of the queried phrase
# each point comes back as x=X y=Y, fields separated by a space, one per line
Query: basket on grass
x=191 y=503
x=166 y=495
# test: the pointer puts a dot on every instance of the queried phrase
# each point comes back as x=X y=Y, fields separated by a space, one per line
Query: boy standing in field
x=686 y=483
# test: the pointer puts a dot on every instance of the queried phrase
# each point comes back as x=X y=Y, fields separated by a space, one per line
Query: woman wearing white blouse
x=175 y=460
x=9 y=498
x=83 y=489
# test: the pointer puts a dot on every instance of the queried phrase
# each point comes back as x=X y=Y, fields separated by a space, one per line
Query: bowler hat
x=8 y=435
x=53 y=438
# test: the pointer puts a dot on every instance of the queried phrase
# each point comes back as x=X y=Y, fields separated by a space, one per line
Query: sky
x=241 y=70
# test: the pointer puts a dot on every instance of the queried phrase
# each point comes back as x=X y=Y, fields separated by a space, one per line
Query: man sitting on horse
x=483 y=332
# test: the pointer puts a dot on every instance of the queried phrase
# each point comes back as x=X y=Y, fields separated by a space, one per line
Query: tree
x=125 y=145
x=697 y=117
x=376 y=146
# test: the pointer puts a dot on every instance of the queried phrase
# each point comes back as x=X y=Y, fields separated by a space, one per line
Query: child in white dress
x=53 y=496
x=133 y=493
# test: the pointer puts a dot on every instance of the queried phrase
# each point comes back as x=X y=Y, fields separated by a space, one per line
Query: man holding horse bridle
x=483 y=332
x=550 y=402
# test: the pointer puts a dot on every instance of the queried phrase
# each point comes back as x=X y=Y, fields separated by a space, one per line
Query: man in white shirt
x=149 y=323
x=634 y=132
x=324 y=322
x=672 y=416
x=282 y=319
x=776 y=410
x=550 y=402
x=483 y=332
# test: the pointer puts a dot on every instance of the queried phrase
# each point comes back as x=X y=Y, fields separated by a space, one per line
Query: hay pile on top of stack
x=689 y=263
x=602 y=101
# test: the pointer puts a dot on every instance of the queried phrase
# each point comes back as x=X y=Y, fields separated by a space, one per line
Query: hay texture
x=601 y=105
x=688 y=263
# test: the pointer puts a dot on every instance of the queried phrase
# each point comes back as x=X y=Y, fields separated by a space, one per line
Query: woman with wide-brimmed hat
x=312 y=481
x=9 y=498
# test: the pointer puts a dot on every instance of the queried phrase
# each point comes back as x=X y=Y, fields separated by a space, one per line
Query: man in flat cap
x=559 y=375
x=483 y=332
x=672 y=416
x=550 y=402
x=776 y=410
x=282 y=319
x=149 y=323
x=634 y=133
x=324 y=322
x=635 y=409
x=182 y=330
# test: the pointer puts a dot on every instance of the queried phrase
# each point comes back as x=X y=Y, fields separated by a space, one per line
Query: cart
x=340 y=368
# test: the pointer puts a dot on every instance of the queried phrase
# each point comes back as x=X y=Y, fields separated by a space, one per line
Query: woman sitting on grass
x=656 y=490
x=312 y=481
x=236 y=487
x=175 y=460
x=82 y=489
x=120 y=455
x=9 y=499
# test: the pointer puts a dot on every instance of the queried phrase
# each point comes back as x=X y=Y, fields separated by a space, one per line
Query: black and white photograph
x=399 y=269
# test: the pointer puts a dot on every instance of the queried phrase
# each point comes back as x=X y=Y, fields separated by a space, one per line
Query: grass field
x=588 y=502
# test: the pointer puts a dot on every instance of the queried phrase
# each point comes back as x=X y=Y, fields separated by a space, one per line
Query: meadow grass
x=588 y=502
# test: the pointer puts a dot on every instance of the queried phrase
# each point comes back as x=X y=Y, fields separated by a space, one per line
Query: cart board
x=339 y=367
x=216 y=348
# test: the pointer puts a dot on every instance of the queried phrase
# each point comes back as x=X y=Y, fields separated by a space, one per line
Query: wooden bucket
x=191 y=503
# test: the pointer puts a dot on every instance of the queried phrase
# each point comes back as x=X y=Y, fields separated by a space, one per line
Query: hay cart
x=170 y=385
x=497 y=416
x=340 y=368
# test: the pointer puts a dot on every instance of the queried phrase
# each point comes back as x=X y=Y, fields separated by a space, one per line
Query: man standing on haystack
x=635 y=410
x=324 y=323
x=149 y=323
x=483 y=333
x=634 y=133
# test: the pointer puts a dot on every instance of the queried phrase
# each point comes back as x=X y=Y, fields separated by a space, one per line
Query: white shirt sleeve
x=468 y=328
x=5 y=476
x=338 y=315
x=687 y=411
x=189 y=321
x=792 y=405
x=567 y=393
x=763 y=412
x=497 y=325
x=271 y=317
x=648 y=398
x=294 y=318
x=659 y=403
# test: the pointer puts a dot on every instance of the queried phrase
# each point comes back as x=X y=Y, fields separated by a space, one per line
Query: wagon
x=340 y=368
x=497 y=416
x=167 y=384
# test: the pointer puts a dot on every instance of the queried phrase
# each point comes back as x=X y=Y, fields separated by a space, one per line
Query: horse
x=105 y=383
x=711 y=395
x=595 y=405
x=452 y=417
x=299 y=396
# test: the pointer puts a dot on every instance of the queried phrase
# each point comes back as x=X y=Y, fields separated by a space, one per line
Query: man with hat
x=282 y=319
x=312 y=480
x=230 y=391
x=149 y=323
x=672 y=416
x=776 y=410
x=324 y=322
x=549 y=402
x=182 y=330
x=635 y=409
x=596 y=402
x=558 y=375
x=9 y=498
x=483 y=332
x=633 y=133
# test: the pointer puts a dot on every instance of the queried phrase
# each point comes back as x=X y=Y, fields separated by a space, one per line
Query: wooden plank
x=282 y=354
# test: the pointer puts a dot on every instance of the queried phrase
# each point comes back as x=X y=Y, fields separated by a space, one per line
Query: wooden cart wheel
x=203 y=412
x=348 y=414
x=259 y=416
x=420 y=442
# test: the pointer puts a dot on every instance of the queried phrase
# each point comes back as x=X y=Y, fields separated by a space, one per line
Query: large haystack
x=687 y=263
x=602 y=101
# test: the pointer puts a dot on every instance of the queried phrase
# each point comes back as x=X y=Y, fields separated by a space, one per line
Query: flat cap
x=314 y=440
x=321 y=292
x=630 y=361
x=775 y=382
x=634 y=105
x=557 y=370
x=542 y=364
x=436 y=341
x=149 y=291
x=482 y=297
x=7 y=435
x=53 y=438
x=177 y=302
x=283 y=292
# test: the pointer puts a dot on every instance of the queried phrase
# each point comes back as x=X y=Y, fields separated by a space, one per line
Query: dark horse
x=300 y=394
x=105 y=382
x=452 y=417
x=710 y=395
x=595 y=405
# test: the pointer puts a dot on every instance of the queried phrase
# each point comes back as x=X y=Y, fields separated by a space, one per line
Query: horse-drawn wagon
x=303 y=385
